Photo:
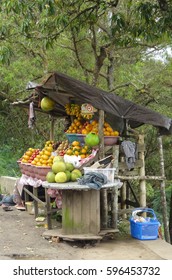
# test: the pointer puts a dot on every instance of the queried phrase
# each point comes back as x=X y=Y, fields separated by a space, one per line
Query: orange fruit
x=83 y=151
x=45 y=157
x=69 y=152
x=26 y=157
x=85 y=147
x=76 y=153
x=75 y=143
x=109 y=129
x=38 y=156
x=94 y=123
x=47 y=153
x=28 y=153
x=82 y=156
x=84 y=131
x=76 y=148
x=49 y=148
x=116 y=133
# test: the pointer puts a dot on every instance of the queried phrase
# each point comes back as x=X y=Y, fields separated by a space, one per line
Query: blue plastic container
x=75 y=137
x=147 y=230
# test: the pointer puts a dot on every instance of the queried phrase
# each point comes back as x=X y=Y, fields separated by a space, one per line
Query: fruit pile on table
x=38 y=162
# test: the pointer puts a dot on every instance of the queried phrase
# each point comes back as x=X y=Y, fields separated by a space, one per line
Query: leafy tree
x=107 y=43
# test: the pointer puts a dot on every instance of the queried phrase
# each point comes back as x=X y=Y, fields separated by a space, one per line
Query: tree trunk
x=111 y=69
x=170 y=218
x=142 y=174
x=162 y=191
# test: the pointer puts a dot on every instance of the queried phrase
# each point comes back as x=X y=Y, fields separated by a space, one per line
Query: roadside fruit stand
x=98 y=123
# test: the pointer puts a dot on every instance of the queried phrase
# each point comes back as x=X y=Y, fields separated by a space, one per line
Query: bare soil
x=21 y=238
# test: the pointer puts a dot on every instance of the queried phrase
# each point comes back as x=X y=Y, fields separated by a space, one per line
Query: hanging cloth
x=129 y=149
x=31 y=120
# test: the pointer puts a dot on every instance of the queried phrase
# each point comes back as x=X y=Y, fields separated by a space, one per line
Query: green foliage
x=8 y=160
x=157 y=204
x=70 y=37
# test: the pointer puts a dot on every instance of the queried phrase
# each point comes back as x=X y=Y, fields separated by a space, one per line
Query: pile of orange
x=79 y=127
x=45 y=157
x=76 y=126
x=29 y=155
x=78 y=150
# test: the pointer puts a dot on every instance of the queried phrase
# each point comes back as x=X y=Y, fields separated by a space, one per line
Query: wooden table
x=80 y=209
x=30 y=188
x=34 y=195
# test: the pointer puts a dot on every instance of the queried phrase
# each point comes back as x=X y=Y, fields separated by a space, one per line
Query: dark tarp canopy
x=64 y=89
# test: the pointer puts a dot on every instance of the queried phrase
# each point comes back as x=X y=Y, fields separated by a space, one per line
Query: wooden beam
x=146 y=177
x=142 y=174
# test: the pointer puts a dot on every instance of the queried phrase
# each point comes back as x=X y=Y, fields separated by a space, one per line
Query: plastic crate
x=147 y=230
x=75 y=137
x=109 y=172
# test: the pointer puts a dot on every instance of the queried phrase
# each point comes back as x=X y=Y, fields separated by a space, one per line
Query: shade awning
x=64 y=89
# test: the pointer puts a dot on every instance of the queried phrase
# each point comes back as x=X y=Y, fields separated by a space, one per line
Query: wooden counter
x=80 y=208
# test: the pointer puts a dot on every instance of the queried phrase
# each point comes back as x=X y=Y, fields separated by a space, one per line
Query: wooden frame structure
x=62 y=88
x=126 y=176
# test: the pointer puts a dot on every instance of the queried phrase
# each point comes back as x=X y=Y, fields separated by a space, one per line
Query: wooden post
x=142 y=173
x=123 y=193
x=48 y=210
x=52 y=120
x=103 y=193
x=114 y=195
x=162 y=190
x=101 y=134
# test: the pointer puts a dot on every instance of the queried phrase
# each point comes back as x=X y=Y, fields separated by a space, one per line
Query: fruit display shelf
x=108 y=140
x=75 y=137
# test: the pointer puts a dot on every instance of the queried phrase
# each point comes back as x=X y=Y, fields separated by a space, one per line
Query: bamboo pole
x=146 y=177
x=123 y=193
x=101 y=134
x=142 y=174
x=103 y=192
x=114 y=195
x=162 y=190
x=170 y=218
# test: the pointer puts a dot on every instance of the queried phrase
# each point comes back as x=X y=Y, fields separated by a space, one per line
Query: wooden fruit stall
x=122 y=117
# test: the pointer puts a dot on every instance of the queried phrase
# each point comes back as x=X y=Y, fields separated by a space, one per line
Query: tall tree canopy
x=104 y=42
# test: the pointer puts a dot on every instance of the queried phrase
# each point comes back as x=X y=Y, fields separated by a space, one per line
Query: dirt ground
x=22 y=239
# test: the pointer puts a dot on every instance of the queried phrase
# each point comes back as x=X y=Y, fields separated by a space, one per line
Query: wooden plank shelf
x=72 y=237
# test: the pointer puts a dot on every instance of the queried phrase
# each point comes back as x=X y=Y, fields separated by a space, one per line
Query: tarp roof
x=63 y=89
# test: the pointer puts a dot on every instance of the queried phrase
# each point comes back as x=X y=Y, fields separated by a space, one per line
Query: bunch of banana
x=87 y=116
x=72 y=109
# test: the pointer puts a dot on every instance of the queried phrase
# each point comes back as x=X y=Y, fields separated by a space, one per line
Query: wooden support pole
x=103 y=209
x=162 y=190
x=123 y=193
x=114 y=195
x=52 y=122
x=142 y=173
x=146 y=177
x=101 y=134
x=103 y=192
x=123 y=197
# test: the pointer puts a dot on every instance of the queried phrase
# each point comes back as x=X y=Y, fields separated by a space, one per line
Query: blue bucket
x=146 y=230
